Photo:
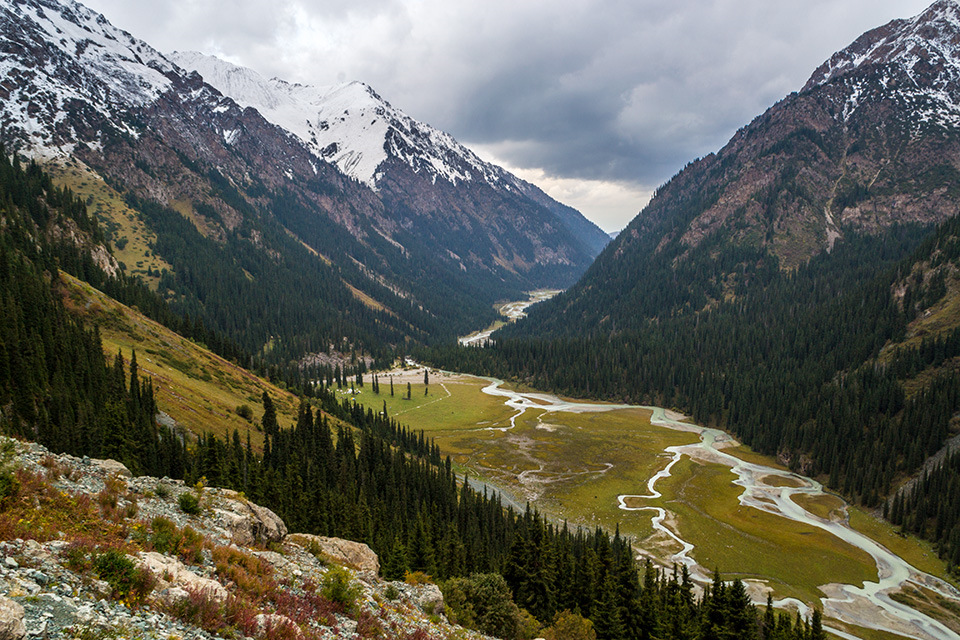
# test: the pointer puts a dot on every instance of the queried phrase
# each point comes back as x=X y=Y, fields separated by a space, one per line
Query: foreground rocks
x=352 y=554
x=43 y=594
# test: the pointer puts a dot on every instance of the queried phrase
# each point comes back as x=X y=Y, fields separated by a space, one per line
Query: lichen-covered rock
x=429 y=598
x=11 y=620
x=353 y=554
x=171 y=573
x=249 y=523
x=112 y=467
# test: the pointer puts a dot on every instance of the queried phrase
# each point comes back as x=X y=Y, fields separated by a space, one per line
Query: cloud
x=612 y=92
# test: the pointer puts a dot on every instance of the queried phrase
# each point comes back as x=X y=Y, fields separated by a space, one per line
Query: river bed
x=869 y=606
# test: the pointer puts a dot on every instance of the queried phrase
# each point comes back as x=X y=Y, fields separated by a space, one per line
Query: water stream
x=869 y=606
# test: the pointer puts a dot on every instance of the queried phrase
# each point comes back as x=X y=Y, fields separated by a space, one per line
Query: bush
x=570 y=626
x=338 y=587
x=189 y=503
x=245 y=412
x=9 y=485
x=483 y=602
x=126 y=580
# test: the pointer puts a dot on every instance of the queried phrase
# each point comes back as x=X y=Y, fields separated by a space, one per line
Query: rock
x=354 y=554
x=11 y=563
x=171 y=572
x=111 y=467
x=429 y=598
x=172 y=595
x=272 y=621
x=11 y=620
x=249 y=523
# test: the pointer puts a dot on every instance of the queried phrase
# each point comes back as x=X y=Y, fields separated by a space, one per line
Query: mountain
x=799 y=288
x=871 y=141
x=352 y=127
x=245 y=216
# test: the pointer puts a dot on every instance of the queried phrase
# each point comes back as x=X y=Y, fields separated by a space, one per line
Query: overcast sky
x=596 y=101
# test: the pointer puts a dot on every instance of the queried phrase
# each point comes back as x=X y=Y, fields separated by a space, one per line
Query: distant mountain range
x=410 y=234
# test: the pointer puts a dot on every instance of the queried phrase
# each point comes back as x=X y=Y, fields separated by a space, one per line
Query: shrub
x=189 y=503
x=9 y=486
x=483 y=602
x=391 y=592
x=339 y=588
x=417 y=577
x=252 y=575
x=162 y=491
x=570 y=626
x=126 y=580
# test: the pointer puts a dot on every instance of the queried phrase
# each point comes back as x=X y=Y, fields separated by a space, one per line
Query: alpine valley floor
x=686 y=494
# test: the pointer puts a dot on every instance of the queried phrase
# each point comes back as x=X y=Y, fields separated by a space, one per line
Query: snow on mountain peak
x=60 y=54
x=348 y=125
x=930 y=39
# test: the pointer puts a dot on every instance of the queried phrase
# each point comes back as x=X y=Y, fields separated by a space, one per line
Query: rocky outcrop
x=52 y=592
x=249 y=523
x=353 y=554
x=175 y=581
x=11 y=620
x=112 y=467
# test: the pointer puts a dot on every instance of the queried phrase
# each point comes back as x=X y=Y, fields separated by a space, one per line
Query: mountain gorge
x=798 y=288
x=237 y=205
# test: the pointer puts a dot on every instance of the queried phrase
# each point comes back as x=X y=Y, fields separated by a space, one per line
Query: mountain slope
x=799 y=288
x=873 y=140
x=418 y=258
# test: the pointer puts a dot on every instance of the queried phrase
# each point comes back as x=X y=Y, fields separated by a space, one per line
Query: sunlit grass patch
x=197 y=388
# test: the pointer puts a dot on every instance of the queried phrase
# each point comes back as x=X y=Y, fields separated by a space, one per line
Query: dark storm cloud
x=618 y=92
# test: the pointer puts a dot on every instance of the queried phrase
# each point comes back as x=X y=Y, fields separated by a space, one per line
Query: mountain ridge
x=434 y=255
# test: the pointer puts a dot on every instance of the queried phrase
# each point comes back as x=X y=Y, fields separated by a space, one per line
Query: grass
x=561 y=461
x=197 y=388
x=128 y=235
x=932 y=604
x=748 y=543
x=918 y=553
x=747 y=454
x=826 y=506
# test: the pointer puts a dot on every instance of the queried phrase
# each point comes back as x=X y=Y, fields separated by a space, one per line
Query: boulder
x=11 y=620
x=429 y=598
x=174 y=579
x=112 y=467
x=248 y=523
x=353 y=554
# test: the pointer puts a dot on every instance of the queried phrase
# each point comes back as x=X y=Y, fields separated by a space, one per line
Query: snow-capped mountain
x=348 y=124
x=920 y=62
x=351 y=126
x=418 y=227
x=872 y=141
x=61 y=61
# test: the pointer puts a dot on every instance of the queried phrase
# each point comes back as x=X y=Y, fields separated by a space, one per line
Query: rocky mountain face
x=94 y=552
x=417 y=229
x=414 y=166
x=872 y=140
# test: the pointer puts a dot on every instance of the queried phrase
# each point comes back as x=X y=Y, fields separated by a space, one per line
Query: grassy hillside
x=195 y=387
x=127 y=234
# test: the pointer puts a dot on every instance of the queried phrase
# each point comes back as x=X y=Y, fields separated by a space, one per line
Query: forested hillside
x=372 y=480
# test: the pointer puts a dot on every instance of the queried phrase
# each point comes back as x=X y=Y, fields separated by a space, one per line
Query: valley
x=671 y=486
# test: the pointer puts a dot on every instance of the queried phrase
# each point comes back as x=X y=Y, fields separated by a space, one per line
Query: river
x=512 y=311
x=869 y=606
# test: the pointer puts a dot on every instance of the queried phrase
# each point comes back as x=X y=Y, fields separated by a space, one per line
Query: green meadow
x=574 y=466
